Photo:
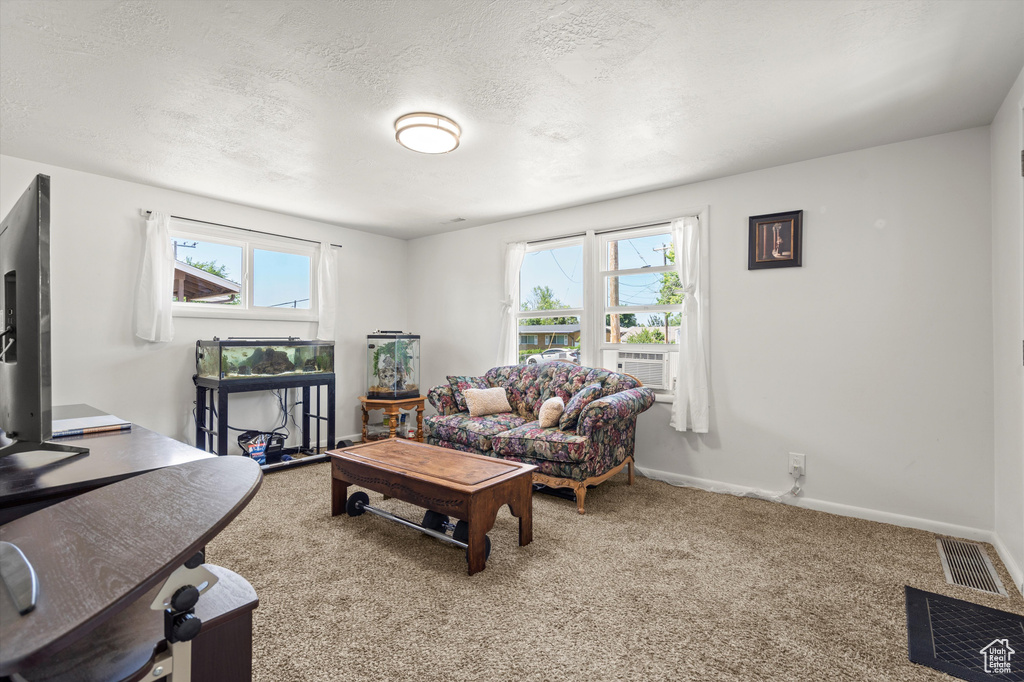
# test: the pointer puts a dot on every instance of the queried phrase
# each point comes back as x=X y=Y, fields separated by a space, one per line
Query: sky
x=278 y=277
x=562 y=270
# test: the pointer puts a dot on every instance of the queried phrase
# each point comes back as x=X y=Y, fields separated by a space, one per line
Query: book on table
x=79 y=426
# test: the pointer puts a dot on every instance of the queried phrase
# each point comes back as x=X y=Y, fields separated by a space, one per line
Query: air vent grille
x=967 y=564
x=628 y=355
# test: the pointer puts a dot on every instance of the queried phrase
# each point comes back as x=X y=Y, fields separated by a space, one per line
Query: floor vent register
x=967 y=564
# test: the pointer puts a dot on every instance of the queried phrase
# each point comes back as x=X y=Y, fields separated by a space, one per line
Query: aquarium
x=262 y=358
x=392 y=365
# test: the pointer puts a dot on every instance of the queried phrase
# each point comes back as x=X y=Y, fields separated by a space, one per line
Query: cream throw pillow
x=484 y=401
x=550 y=411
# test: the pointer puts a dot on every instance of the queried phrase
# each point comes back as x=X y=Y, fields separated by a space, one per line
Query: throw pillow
x=460 y=384
x=574 y=409
x=550 y=411
x=485 y=401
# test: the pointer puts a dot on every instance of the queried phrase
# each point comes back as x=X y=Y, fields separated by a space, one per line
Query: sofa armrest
x=615 y=407
x=443 y=399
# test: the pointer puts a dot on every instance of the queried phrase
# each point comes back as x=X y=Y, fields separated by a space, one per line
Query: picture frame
x=776 y=241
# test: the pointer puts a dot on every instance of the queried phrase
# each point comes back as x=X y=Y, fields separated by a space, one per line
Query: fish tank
x=248 y=358
x=392 y=365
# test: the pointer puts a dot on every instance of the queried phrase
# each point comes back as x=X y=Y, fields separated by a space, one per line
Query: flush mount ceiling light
x=427 y=133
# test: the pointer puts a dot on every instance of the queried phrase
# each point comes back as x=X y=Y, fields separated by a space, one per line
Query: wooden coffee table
x=466 y=486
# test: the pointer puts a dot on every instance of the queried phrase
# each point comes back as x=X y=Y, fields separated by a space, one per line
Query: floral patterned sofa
x=587 y=450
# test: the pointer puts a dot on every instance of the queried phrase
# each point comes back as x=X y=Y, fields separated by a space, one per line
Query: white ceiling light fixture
x=427 y=133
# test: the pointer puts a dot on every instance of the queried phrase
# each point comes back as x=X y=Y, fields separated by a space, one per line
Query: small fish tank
x=392 y=365
x=248 y=358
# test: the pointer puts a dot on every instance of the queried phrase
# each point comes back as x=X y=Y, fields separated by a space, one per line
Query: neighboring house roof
x=548 y=328
x=201 y=285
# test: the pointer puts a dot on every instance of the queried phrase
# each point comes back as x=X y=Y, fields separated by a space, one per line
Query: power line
x=646 y=264
x=552 y=252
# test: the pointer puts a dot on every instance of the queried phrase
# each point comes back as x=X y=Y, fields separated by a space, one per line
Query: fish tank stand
x=213 y=388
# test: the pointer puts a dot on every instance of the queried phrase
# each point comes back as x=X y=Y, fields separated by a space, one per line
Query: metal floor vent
x=967 y=564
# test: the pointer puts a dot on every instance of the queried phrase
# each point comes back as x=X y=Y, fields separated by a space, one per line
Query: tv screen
x=25 y=408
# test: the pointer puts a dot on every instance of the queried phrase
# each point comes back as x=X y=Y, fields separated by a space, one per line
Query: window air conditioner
x=650 y=368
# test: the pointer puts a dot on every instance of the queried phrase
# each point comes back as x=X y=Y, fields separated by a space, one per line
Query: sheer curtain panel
x=153 y=299
x=690 y=408
x=508 y=341
x=326 y=293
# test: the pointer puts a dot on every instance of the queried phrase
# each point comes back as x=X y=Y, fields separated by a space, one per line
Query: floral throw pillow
x=574 y=408
x=460 y=384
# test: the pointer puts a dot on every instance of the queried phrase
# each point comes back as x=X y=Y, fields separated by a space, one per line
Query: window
x=640 y=287
x=551 y=284
x=604 y=294
x=219 y=274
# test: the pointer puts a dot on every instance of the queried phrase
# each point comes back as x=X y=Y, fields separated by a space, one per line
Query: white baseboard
x=1011 y=565
x=940 y=527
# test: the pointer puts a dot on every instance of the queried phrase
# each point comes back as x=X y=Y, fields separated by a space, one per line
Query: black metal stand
x=213 y=424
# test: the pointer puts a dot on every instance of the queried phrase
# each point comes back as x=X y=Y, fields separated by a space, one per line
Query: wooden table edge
x=83 y=628
x=519 y=469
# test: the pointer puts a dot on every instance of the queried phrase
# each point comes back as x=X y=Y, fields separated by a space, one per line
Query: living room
x=890 y=358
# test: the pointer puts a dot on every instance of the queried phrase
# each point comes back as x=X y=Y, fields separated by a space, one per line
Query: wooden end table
x=469 y=487
x=392 y=408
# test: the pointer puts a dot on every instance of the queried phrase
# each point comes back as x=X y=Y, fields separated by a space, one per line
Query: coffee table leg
x=477 y=548
x=339 y=495
x=521 y=506
x=482 y=514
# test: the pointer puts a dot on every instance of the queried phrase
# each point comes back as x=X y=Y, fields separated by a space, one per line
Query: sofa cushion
x=460 y=384
x=550 y=411
x=574 y=409
x=612 y=382
x=528 y=386
x=484 y=401
x=530 y=441
x=473 y=432
x=564 y=381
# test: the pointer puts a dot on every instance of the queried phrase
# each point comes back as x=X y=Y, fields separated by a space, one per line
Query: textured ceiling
x=290 y=106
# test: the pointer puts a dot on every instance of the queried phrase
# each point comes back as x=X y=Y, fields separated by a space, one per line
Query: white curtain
x=156 y=282
x=690 y=409
x=508 y=341
x=326 y=293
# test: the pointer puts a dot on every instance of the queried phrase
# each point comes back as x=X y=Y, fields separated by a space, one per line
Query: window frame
x=550 y=245
x=601 y=284
x=182 y=229
x=592 y=344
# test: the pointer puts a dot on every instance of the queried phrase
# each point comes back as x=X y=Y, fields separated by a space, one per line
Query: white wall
x=97 y=237
x=1007 y=140
x=874 y=358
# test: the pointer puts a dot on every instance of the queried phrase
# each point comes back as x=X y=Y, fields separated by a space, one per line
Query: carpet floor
x=655 y=582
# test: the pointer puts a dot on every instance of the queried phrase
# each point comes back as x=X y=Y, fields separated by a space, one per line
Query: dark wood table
x=100 y=557
x=27 y=485
x=466 y=486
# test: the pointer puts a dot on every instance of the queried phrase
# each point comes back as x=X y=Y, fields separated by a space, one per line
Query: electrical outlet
x=797 y=464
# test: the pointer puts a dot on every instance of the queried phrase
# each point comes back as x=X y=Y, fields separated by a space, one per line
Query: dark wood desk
x=112 y=457
x=99 y=558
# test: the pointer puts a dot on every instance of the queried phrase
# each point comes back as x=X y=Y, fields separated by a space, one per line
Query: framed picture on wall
x=775 y=240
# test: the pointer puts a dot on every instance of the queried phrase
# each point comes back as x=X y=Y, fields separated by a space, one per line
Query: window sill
x=260 y=314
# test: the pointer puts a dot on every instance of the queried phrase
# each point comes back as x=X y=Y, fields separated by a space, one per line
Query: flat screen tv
x=26 y=415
